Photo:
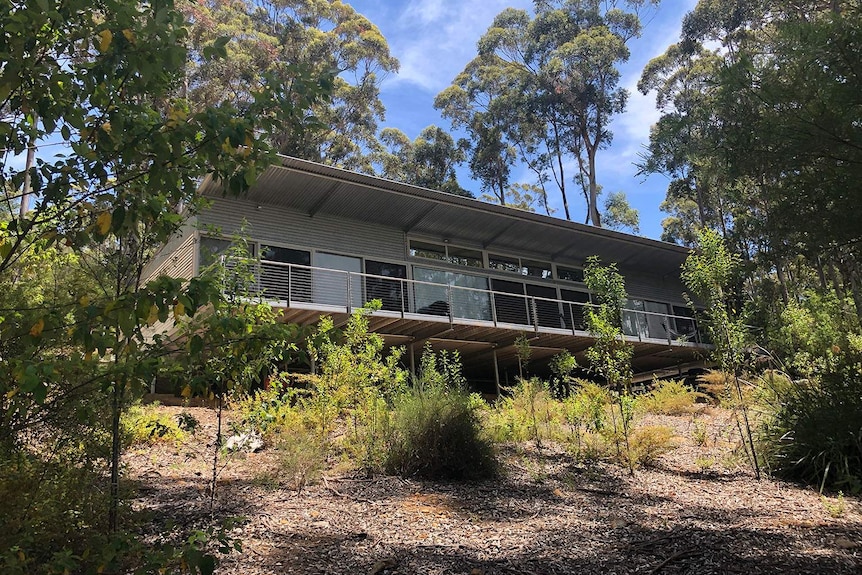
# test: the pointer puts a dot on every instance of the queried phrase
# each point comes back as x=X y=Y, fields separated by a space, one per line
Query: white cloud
x=434 y=39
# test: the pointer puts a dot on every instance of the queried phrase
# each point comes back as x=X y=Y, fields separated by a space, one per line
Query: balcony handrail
x=493 y=295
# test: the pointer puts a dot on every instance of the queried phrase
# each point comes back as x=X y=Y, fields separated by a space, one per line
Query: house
x=450 y=271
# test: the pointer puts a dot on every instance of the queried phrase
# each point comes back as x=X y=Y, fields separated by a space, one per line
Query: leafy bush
x=53 y=512
x=668 y=397
x=266 y=411
x=436 y=435
x=814 y=428
x=146 y=425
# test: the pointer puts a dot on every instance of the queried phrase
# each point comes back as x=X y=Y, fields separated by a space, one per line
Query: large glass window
x=391 y=292
x=470 y=297
x=547 y=307
x=211 y=249
x=510 y=308
x=333 y=285
x=285 y=282
x=684 y=327
x=645 y=319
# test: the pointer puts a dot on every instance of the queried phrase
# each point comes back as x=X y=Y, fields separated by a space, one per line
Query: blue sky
x=434 y=39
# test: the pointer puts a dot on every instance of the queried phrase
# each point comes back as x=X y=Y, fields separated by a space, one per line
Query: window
x=520 y=266
x=211 y=249
x=280 y=279
x=510 y=308
x=465 y=257
x=390 y=292
x=574 y=312
x=504 y=264
x=570 y=274
x=536 y=269
x=470 y=298
x=645 y=318
x=547 y=307
x=427 y=250
x=446 y=253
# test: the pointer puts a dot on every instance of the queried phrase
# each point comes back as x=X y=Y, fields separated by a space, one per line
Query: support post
x=497 y=375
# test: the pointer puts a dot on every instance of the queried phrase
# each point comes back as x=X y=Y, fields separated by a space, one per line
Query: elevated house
x=450 y=271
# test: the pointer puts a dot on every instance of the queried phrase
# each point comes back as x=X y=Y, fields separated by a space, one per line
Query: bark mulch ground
x=695 y=511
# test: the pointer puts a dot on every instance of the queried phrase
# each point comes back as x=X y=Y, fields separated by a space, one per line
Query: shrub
x=586 y=412
x=146 y=425
x=266 y=411
x=301 y=456
x=647 y=444
x=436 y=435
x=53 y=513
x=814 y=429
x=668 y=397
x=531 y=413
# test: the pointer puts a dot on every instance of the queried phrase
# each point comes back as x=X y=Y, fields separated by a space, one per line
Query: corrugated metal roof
x=313 y=188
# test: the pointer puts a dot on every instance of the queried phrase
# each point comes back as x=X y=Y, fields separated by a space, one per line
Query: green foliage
x=437 y=435
x=668 y=397
x=813 y=431
x=126 y=181
x=562 y=366
x=543 y=89
x=146 y=425
x=266 y=411
x=356 y=380
x=428 y=161
x=53 y=511
x=586 y=414
x=609 y=356
x=835 y=508
x=530 y=413
x=278 y=40
x=619 y=214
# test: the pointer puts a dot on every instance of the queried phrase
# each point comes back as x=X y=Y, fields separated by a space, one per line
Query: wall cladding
x=281 y=226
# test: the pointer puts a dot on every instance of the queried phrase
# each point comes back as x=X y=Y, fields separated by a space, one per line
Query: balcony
x=323 y=290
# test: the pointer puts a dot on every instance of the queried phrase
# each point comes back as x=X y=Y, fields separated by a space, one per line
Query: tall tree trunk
x=782 y=283
x=594 y=189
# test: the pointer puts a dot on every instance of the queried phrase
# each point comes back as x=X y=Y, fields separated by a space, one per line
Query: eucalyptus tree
x=428 y=161
x=550 y=84
x=277 y=39
x=761 y=133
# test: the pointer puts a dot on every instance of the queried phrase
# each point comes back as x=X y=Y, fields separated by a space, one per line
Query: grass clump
x=813 y=428
x=436 y=432
x=668 y=397
x=301 y=457
x=648 y=443
x=437 y=435
x=530 y=413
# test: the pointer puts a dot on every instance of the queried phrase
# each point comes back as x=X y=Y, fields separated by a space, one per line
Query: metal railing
x=325 y=289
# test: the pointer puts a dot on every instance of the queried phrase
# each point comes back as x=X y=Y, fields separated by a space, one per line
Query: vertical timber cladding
x=280 y=226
